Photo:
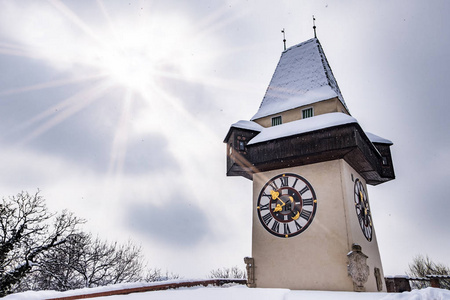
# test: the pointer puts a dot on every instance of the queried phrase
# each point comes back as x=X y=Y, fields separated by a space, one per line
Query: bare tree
x=233 y=272
x=156 y=275
x=40 y=250
x=27 y=231
x=87 y=262
x=423 y=266
x=102 y=263
x=56 y=271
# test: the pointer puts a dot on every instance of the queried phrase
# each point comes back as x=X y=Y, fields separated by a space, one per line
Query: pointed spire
x=284 y=39
x=302 y=76
x=314 y=27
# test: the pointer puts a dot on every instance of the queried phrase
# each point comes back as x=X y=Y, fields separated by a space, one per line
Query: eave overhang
x=346 y=141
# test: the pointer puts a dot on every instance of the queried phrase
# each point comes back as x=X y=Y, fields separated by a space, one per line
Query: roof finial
x=284 y=39
x=314 y=26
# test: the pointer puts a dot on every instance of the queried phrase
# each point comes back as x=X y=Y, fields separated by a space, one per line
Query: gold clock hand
x=296 y=216
x=275 y=197
x=278 y=208
x=274 y=194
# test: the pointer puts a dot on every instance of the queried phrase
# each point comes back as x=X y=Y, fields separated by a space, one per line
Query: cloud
x=175 y=220
x=84 y=136
x=190 y=94
x=79 y=143
x=149 y=154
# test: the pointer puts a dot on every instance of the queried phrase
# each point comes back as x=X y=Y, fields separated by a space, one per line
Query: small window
x=384 y=161
x=307 y=113
x=276 y=121
x=241 y=146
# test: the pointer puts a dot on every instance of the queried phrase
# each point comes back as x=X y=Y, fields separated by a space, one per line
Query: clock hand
x=297 y=215
x=275 y=196
x=278 y=208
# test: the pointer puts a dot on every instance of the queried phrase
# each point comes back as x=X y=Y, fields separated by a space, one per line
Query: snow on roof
x=302 y=76
x=250 y=125
x=302 y=126
x=378 y=139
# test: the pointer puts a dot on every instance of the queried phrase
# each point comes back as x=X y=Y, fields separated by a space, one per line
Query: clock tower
x=310 y=162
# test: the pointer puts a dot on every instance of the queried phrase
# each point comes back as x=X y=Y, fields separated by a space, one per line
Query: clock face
x=286 y=205
x=363 y=209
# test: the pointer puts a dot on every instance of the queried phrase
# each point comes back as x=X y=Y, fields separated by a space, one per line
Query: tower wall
x=317 y=258
x=322 y=107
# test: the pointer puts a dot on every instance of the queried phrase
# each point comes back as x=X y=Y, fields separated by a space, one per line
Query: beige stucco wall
x=355 y=235
x=317 y=258
x=319 y=108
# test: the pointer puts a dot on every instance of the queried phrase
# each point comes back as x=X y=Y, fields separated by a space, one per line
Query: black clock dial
x=363 y=209
x=286 y=205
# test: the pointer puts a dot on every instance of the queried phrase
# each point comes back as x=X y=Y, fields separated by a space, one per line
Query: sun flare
x=139 y=55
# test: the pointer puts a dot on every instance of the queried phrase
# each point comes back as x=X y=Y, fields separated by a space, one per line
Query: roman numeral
x=284 y=181
x=295 y=182
x=304 y=190
x=276 y=226
x=368 y=233
x=286 y=229
x=264 y=206
x=267 y=218
x=308 y=201
x=305 y=214
x=267 y=195
x=274 y=186
x=298 y=226
x=360 y=219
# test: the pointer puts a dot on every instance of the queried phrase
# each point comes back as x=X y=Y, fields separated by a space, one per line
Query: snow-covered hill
x=235 y=292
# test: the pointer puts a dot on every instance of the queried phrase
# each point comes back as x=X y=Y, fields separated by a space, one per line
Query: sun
x=138 y=53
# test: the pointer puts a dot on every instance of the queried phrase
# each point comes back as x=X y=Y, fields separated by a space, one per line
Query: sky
x=117 y=111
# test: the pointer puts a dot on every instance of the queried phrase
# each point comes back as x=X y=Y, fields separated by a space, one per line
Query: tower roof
x=302 y=76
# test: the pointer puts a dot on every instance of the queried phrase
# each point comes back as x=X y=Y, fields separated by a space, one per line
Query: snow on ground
x=237 y=292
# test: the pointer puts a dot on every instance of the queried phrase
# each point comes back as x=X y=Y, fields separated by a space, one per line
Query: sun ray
x=52 y=84
x=60 y=106
x=119 y=147
x=217 y=20
x=16 y=50
x=108 y=19
x=74 y=18
x=137 y=54
x=178 y=107
x=12 y=47
x=71 y=105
